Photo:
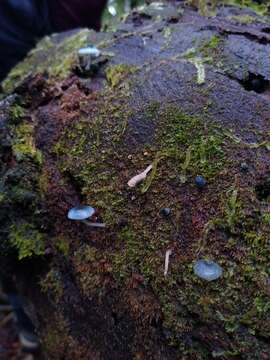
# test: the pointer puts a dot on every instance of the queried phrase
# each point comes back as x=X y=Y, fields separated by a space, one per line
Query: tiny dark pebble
x=200 y=181
x=165 y=212
x=244 y=166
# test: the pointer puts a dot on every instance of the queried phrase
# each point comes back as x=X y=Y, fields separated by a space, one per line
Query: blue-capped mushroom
x=83 y=213
x=207 y=270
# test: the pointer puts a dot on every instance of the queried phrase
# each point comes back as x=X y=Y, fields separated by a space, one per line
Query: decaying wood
x=68 y=139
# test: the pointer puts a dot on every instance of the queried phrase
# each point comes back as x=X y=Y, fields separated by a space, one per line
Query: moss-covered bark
x=171 y=91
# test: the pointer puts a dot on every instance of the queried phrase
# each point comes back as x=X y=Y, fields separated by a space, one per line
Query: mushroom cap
x=207 y=270
x=81 y=212
x=89 y=50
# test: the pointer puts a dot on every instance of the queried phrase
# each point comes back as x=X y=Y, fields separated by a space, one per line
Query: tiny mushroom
x=82 y=213
x=87 y=55
x=207 y=270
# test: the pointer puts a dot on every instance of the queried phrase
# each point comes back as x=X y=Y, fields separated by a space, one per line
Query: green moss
x=212 y=44
x=232 y=209
x=181 y=133
x=125 y=261
x=89 y=271
x=206 y=8
x=52 y=285
x=182 y=146
x=55 y=59
x=208 y=52
x=21 y=195
x=27 y=240
x=266 y=218
x=2 y=197
x=56 y=338
x=16 y=113
x=23 y=144
x=43 y=182
x=117 y=73
x=244 y=279
x=62 y=246
x=92 y=146
x=261 y=9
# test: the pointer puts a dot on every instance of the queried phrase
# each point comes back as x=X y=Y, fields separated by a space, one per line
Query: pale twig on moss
x=135 y=180
x=167 y=260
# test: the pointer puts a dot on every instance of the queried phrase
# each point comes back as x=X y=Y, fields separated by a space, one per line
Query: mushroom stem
x=92 y=224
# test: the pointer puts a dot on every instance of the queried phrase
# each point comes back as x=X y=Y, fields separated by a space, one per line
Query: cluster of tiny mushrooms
x=204 y=269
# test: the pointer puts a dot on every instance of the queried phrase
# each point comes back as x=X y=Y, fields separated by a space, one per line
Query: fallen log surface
x=188 y=95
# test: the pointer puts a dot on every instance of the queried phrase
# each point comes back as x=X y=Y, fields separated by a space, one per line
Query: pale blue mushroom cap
x=207 y=270
x=82 y=212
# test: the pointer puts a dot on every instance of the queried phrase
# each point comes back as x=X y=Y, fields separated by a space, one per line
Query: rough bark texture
x=68 y=139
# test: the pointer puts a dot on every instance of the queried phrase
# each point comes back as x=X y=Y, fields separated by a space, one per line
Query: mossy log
x=189 y=95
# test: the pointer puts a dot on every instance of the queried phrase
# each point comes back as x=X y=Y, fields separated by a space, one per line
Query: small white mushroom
x=167 y=260
x=140 y=177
